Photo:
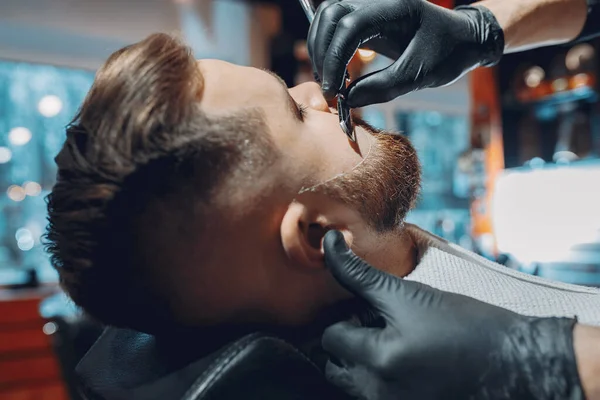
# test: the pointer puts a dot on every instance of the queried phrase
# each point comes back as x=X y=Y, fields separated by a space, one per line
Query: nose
x=310 y=95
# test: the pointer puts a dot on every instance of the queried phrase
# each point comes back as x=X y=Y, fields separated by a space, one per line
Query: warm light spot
x=534 y=76
x=560 y=84
x=366 y=55
x=15 y=193
x=32 y=188
x=581 y=80
x=578 y=55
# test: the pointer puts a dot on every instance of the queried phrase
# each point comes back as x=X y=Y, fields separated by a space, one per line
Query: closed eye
x=302 y=110
x=299 y=110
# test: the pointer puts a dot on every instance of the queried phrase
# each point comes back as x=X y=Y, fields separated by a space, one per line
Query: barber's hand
x=440 y=345
x=432 y=46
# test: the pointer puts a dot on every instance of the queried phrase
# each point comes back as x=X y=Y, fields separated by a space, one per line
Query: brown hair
x=140 y=137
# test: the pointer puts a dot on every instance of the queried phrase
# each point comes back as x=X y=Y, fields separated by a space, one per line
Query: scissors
x=342 y=107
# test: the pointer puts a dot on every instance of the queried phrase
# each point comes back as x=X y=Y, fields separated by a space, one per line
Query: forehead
x=229 y=87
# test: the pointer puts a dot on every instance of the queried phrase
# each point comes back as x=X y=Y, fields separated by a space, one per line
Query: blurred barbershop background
x=511 y=155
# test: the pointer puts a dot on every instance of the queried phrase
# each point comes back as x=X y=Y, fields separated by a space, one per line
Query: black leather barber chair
x=72 y=338
x=71 y=333
x=124 y=364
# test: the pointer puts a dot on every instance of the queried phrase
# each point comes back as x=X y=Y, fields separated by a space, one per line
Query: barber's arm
x=432 y=344
x=587 y=351
x=434 y=46
x=530 y=24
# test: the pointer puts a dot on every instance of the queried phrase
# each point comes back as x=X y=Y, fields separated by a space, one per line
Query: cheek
x=318 y=149
x=335 y=152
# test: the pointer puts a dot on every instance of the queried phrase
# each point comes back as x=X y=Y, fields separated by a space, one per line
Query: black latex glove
x=435 y=46
x=439 y=345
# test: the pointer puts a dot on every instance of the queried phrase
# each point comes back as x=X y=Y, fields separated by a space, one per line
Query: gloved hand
x=440 y=345
x=435 y=46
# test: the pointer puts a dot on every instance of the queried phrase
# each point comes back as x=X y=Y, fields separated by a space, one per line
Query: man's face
x=266 y=262
x=301 y=122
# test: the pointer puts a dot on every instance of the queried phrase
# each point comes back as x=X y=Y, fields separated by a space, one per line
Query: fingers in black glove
x=437 y=46
x=351 y=30
x=436 y=344
x=402 y=77
x=319 y=35
x=350 y=271
x=321 y=32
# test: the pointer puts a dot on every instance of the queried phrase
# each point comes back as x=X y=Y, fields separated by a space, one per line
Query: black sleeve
x=591 y=28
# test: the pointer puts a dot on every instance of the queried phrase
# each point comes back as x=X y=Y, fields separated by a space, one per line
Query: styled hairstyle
x=141 y=139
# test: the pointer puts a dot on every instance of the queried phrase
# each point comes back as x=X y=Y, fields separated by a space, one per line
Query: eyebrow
x=293 y=106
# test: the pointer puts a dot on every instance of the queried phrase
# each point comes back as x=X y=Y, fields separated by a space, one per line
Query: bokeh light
x=366 y=55
x=560 y=84
x=50 y=328
x=581 y=80
x=534 y=76
x=19 y=136
x=5 y=155
x=50 y=106
x=578 y=55
x=25 y=245
x=23 y=234
x=25 y=240
x=32 y=188
x=15 y=193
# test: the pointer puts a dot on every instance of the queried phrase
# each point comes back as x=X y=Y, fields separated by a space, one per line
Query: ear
x=302 y=233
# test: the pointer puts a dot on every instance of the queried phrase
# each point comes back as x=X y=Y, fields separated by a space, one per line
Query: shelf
x=584 y=93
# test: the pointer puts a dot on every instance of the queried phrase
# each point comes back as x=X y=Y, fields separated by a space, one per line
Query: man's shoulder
x=449 y=267
x=426 y=241
x=433 y=249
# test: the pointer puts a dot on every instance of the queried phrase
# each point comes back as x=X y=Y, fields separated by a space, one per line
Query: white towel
x=449 y=267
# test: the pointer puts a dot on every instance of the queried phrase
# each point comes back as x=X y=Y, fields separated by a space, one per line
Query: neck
x=393 y=252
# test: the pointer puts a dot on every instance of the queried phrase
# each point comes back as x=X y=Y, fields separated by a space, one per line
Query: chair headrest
x=125 y=364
